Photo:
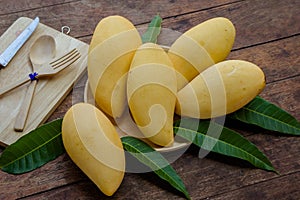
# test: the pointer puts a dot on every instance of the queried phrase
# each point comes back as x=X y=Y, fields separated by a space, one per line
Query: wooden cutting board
x=49 y=92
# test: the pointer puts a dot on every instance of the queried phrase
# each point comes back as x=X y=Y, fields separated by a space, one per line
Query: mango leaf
x=153 y=159
x=229 y=142
x=153 y=30
x=33 y=149
x=268 y=116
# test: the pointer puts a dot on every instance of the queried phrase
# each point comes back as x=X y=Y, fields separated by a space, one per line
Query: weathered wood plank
x=87 y=190
x=87 y=13
x=13 y=6
x=285 y=187
x=56 y=173
x=256 y=21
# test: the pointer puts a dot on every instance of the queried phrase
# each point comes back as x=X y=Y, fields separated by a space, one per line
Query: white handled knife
x=13 y=48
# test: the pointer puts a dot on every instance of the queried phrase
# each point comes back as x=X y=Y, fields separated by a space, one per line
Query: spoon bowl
x=43 y=50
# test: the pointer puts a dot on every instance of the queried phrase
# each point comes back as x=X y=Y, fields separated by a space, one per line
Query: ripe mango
x=221 y=89
x=151 y=93
x=112 y=47
x=93 y=144
x=201 y=47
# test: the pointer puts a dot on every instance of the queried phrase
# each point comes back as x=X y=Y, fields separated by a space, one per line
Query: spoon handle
x=14 y=85
x=24 y=110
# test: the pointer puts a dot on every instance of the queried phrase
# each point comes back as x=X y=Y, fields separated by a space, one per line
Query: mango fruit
x=201 y=47
x=220 y=89
x=112 y=48
x=93 y=144
x=151 y=93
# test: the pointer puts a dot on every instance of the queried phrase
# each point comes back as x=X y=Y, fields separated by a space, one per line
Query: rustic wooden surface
x=268 y=34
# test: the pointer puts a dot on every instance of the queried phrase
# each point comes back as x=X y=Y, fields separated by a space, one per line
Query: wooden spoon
x=42 y=51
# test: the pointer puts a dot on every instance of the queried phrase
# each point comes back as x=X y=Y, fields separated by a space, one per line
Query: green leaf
x=153 y=30
x=153 y=159
x=268 y=116
x=229 y=142
x=33 y=149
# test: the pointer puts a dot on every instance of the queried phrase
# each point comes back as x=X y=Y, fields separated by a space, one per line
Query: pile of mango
x=190 y=79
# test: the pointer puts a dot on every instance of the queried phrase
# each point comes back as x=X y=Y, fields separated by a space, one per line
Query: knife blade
x=13 y=48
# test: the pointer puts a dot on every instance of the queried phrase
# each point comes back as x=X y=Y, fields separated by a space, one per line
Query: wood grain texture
x=248 y=16
x=19 y=6
x=268 y=35
x=284 y=187
x=87 y=13
x=255 y=21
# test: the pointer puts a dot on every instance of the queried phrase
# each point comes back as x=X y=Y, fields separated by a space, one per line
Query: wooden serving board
x=49 y=92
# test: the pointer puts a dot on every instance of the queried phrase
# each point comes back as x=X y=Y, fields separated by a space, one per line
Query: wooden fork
x=56 y=66
x=47 y=70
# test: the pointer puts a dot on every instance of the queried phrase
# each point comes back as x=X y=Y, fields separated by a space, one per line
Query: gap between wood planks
x=40 y=7
x=266 y=42
x=87 y=38
x=194 y=11
x=159 y=191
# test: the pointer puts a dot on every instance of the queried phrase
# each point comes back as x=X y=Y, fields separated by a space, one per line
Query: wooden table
x=268 y=34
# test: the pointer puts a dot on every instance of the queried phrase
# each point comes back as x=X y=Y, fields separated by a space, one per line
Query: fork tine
x=68 y=60
x=67 y=63
x=58 y=60
x=65 y=58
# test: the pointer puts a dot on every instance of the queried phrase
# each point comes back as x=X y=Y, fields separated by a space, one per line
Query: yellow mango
x=221 y=89
x=93 y=144
x=108 y=27
x=201 y=47
x=113 y=45
x=151 y=93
